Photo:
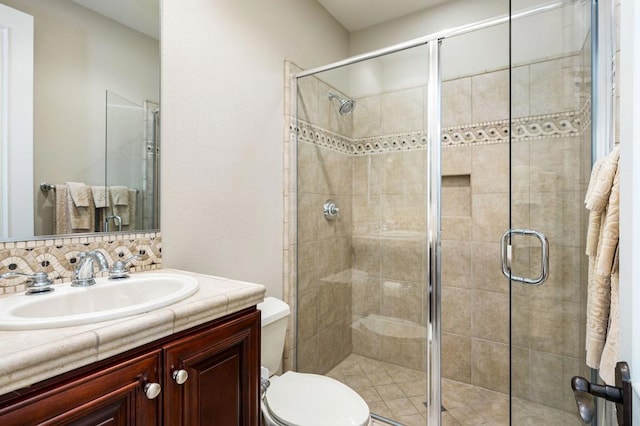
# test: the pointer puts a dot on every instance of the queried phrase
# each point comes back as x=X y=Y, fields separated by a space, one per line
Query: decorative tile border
x=563 y=124
x=307 y=132
x=56 y=256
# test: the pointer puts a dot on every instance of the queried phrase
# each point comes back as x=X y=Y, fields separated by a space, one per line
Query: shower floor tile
x=398 y=393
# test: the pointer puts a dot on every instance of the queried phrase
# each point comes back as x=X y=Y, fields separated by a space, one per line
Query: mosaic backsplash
x=57 y=256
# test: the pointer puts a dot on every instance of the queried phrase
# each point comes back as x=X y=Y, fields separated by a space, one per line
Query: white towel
x=119 y=195
x=602 y=246
x=79 y=193
x=101 y=196
x=120 y=200
x=70 y=218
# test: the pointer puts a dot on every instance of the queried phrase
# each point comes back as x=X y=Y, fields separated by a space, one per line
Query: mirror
x=94 y=118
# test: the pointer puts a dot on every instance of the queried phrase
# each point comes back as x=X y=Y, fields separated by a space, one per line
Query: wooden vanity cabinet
x=222 y=359
x=223 y=366
x=112 y=396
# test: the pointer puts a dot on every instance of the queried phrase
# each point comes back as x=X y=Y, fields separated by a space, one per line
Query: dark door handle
x=621 y=394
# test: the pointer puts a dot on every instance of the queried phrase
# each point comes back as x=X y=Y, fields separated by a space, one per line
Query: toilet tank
x=274 y=316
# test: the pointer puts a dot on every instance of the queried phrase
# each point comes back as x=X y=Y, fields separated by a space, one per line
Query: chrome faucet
x=83 y=274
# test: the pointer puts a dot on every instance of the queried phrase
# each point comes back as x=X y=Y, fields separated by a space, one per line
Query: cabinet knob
x=152 y=390
x=180 y=376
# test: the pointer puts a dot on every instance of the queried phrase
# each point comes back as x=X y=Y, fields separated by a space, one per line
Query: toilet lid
x=299 y=399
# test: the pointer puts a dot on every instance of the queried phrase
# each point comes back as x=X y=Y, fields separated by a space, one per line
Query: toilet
x=301 y=399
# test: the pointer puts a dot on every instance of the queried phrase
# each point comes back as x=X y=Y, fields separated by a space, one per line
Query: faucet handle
x=120 y=270
x=37 y=283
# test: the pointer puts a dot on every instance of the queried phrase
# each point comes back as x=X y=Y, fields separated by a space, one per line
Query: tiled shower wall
x=56 y=256
x=387 y=159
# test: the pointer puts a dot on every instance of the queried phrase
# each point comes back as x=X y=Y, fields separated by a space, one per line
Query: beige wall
x=222 y=130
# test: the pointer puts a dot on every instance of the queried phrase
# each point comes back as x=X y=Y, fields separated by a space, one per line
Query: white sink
x=107 y=299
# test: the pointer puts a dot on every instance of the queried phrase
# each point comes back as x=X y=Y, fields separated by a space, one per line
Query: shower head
x=346 y=105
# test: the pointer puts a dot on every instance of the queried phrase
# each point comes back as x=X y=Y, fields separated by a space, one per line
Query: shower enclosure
x=132 y=157
x=430 y=152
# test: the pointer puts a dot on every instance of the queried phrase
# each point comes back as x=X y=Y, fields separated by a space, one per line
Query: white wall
x=629 y=189
x=479 y=51
x=222 y=160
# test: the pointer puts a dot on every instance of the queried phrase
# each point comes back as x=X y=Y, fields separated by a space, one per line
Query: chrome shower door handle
x=506 y=250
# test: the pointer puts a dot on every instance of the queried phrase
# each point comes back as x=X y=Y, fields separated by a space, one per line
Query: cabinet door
x=113 y=396
x=223 y=365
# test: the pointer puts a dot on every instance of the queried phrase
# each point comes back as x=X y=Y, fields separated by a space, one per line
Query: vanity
x=193 y=362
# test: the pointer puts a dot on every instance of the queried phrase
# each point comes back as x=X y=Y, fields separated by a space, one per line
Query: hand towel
x=120 y=199
x=119 y=195
x=101 y=196
x=79 y=193
x=131 y=225
x=70 y=218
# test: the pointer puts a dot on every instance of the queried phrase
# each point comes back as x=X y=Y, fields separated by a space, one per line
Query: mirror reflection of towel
x=101 y=196
x=120 y=199
x=70 y=218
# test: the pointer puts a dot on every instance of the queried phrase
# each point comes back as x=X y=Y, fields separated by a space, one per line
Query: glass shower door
x=550 y=157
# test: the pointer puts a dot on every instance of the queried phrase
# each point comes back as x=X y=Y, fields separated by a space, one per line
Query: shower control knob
x=330 y=210
x=180 y=376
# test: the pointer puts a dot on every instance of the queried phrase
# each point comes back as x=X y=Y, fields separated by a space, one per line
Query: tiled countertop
x=30 y=356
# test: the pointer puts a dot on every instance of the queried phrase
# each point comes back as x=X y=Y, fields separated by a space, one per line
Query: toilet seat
x=300 y=399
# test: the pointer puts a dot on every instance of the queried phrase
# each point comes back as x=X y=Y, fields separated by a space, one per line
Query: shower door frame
x=434 y=180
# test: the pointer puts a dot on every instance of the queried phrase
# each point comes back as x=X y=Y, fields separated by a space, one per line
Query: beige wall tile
x=456 y=311
x=308 y=168
x=490 y=96
x=554 y=327
x=456 y=201
x=490 y=365
x=456 y=263
x=490 y=316
x=334 y=303
x=309 y=208
x=309 y=355
x=367 y=256
x=520 y=92
x=402 y=260
x=408 y=353
x=334 y=172
x=404 y=212
x=520 y=373
x=490 y=216
x=367 y=117
x=546 y=379
x=403 y=300
x=490 y=168
x=366 y=214
x=367 y=175
x=551 y=86
x=486 y=268
x=520 y=166
x=456 y=228
x=308 y=274
x=403 y=111
x=307 y=315
x=365 y=341
x=366 y=295
x=456 y=357
x=555 y=164
x=308 y=99
x=456 y=161
x=403 y=173
x=456 y=102
x=329 y=261
x=557 y=215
